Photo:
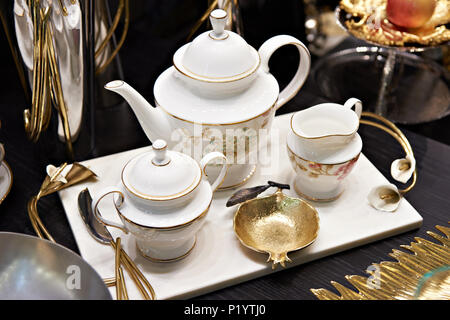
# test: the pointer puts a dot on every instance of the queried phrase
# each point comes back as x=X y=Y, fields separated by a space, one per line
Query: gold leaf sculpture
x=57 y=179
x=367 y=20
x=399 y=280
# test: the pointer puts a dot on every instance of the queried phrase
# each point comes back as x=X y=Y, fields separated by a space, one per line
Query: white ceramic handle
x=96 y=201
x=266 y=51
x=353 y=102
x=208 y=158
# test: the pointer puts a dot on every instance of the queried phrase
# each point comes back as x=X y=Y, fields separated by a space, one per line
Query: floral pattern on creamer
x=315 y=170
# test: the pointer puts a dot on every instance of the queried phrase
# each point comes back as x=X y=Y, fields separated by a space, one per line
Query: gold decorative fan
x=399 y=280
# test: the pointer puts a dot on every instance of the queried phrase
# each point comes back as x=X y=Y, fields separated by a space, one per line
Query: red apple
x=410 y=13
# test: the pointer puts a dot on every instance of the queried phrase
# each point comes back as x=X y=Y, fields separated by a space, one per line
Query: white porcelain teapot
x=162 y=200
x=218 y=94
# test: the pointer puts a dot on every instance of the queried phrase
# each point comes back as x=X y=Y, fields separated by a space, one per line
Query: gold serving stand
x=367 y=20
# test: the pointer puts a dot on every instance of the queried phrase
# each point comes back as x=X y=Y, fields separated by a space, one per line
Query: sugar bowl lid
x=161 y=174
x=218 y=55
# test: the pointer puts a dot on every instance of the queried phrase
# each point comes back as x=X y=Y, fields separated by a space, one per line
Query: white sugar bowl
x=162 y=200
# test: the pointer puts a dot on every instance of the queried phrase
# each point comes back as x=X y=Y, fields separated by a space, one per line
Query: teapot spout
x=152 y=120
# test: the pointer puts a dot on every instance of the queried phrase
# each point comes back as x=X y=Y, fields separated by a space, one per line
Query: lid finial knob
x=160 y=148
x=218 y=19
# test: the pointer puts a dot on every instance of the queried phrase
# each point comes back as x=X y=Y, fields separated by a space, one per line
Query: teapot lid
x=161 y=174
x=218 y=55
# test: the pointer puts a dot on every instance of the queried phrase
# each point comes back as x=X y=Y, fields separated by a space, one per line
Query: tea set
x=219 y=84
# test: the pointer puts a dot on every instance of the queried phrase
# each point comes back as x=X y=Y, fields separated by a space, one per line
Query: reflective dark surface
x=419 y=90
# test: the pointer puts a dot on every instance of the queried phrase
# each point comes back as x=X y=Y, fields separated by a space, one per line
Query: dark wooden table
x=431 y=196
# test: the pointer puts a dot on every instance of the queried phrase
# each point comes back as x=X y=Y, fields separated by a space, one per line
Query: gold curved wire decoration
x=34 y=118
x=51 y=184
x=202 y=19
x=111 y=30
x=121 y=42
x=63 y=8
x=58 y=93
x=391 y=129
x=46 y=81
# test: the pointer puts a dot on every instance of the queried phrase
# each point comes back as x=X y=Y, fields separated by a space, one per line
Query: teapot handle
x=208 y=158
x=96 y=200
x=266 y=51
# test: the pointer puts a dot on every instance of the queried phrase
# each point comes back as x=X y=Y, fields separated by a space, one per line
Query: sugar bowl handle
x=266 y=51
x=96 y=200
x=223 y=171
x=353 y=102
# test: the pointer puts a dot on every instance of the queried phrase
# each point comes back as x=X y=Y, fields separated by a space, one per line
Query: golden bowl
x=276 y=225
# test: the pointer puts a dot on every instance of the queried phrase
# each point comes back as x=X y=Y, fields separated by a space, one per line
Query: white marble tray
x=219 y=260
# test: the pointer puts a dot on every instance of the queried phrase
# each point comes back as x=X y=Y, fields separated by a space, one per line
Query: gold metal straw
x=124 y=286
x=119 y=280
x=109 y=282
x=138 y=278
